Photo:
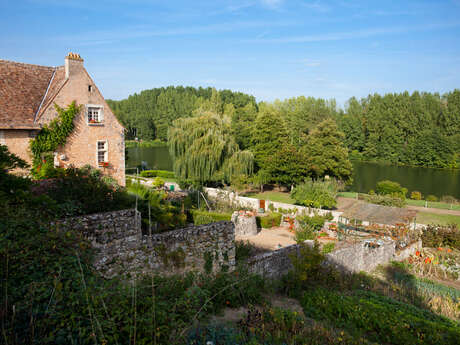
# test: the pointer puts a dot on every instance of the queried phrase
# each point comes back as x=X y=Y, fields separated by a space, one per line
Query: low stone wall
x=360 y=256
x=122 y=249
x=273 y=264
x=354 y=258
x=245 y=225
x=107 y=227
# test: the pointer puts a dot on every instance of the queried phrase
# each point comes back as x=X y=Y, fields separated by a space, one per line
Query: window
x=95 y=114
x=90 y=88
x=102 y=153
x=2 y=138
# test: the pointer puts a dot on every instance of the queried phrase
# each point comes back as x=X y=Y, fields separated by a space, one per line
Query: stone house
x=27 y=97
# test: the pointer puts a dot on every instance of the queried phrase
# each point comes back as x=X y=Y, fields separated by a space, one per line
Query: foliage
x=414 y=129
x=384 y=200
x=328 y=248
x=204 y=150
x=54 y=134
x=10 y=161
x=82 y=191
x=440 y=236
x=316 y=222
x=270 y=220
x=142 y=143
x=158 y=182
x=307 y=267
x=304 y=233
x=326 y=153
x=11 y=185
x=379 y=318
x=243 y=250
x=203 y=217
x=391 y=188
x=449 y=199
x=431 y=198
x=149 y=114
x=316 y=193
x=164 y=215
x=416 y=195
x=157 y=173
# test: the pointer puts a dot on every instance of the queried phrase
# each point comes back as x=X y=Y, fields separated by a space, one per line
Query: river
x=438 y=182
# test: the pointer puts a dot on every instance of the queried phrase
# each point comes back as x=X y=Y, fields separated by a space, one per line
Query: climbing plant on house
x=53 y=135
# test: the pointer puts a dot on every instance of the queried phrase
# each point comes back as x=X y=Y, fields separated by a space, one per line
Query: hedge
x=157 y=173
x=203 y=217
x=269 y=221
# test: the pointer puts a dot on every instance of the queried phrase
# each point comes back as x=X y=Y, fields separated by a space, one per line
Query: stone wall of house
x=81 y=146
x=121 y=248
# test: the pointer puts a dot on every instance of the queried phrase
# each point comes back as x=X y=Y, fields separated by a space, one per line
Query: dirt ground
x=344 y=203
x=270 y=239
x=231 y=315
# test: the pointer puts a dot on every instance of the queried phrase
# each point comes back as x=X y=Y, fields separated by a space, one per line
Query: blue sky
x=268 y=48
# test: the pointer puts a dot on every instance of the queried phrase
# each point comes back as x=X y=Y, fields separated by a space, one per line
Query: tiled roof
x=22 y=90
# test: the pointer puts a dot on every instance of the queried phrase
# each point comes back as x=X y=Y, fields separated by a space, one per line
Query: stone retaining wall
x=122 y=249
x=354 y=258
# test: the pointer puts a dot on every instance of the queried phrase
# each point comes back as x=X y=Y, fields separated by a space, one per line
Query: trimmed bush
x=431 y=198
x=158 y=173
x=271 y=220
x=416 y=195
x=391 y=188
x=203 y=217
x=449 y=199
x=385 y=200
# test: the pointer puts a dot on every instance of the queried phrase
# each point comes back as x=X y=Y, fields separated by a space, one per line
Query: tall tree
x=204 y=150
x=326 y=153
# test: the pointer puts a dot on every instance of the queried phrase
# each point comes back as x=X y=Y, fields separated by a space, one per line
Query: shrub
x=432 y=198
x=203 y=217
x=385 y=200
x=157 y=173
x=158 y=182
x=449 y=199
x=304 y=234
x=316 y=193
x=415 y=195
x=270 y=220
x=316 y=222
x=380 y=318
x=391 y=188
x=328 y=248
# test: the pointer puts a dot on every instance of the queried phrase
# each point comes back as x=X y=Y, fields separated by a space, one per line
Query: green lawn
x=431 y=204
x=432 y=218
x=347 y=194
x=272 y=196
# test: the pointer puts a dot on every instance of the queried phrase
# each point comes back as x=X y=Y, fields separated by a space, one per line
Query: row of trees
x=254 y=145
x=149 y=114
x=301 y=136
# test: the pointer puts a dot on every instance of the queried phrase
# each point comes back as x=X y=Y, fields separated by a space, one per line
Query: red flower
x=427 y=260
x=417 y=253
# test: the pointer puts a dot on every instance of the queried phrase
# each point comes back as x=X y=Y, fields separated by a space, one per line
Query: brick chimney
x=73 y=64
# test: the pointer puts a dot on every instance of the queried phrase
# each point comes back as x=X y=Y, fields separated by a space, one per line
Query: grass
x=431 y=204
x=272 y=196
x=419 y=203
x=433 y=218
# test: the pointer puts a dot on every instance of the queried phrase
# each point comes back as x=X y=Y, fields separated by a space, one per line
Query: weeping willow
x=203 y=149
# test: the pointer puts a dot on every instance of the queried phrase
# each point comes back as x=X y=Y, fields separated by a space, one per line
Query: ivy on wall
x=53 y=134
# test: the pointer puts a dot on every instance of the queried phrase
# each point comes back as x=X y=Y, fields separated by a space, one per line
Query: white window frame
x=2 y=137
x=100 y=120
x=105 y=150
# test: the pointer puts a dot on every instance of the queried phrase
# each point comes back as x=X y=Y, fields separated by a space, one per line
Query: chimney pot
x=73 y=63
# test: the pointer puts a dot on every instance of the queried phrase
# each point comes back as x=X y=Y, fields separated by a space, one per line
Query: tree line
x=421 y=129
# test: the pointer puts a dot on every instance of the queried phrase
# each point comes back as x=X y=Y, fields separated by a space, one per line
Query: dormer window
x=95 y=114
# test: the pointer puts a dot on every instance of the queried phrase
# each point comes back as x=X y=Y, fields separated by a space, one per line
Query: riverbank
x=145 y=143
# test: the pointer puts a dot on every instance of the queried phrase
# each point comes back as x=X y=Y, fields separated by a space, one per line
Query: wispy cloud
x=99 y=37
x=348 y=35
x=317 y=6
x=272 y=3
